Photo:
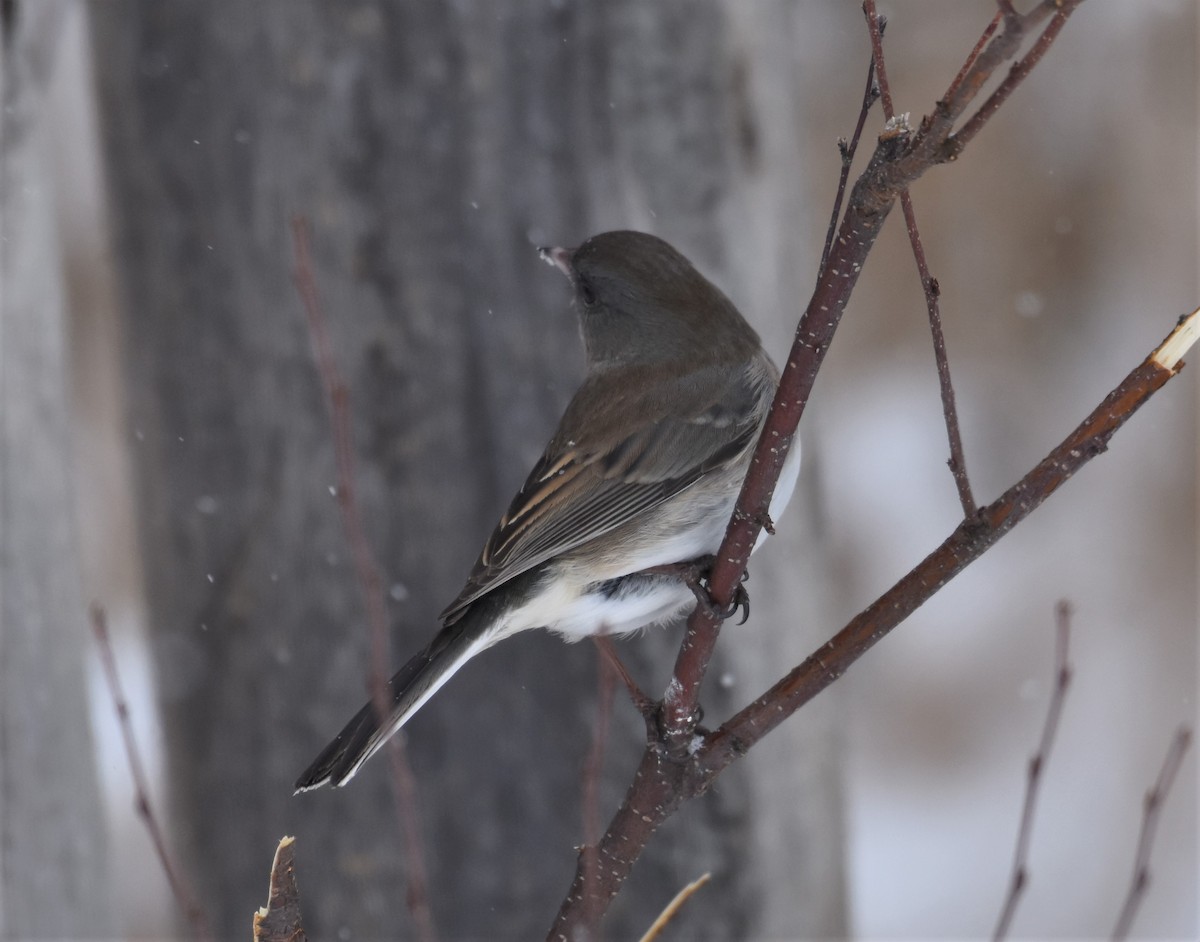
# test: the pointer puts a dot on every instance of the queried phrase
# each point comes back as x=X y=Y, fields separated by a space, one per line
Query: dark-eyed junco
x=643 y=471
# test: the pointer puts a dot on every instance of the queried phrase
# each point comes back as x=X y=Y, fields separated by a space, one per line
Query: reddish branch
x=338 y=394
x=404 y=785
x=974 y=54
x=1016 y=27
x=1151 y=811
x=901 y=157
x=642 y=703
x=1062 y=680
x=957 y=461
x=141 y=787
x=929 y=285
x=593 y=766
x=966 y=544
x=663 y=782
x=680 y=761
x=848 y=150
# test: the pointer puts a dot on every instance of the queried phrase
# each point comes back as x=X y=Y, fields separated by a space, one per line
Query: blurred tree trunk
x=431 y=145
x=52 y=865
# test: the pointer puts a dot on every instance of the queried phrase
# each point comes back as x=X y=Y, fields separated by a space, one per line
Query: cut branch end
x=1170 y=353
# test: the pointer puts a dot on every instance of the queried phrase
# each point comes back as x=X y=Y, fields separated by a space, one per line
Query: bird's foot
x=695 y=575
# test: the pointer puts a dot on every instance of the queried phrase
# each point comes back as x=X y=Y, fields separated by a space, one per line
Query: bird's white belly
x=593 y=613
x=569 y=604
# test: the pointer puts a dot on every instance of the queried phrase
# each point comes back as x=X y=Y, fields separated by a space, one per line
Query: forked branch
x=901 y=156
x=682 y=761
x=929 y=285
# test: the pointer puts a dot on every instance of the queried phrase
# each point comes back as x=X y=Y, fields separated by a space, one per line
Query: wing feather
x=580 y=490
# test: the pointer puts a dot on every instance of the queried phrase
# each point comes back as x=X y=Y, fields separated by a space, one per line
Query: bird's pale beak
x=559 y=258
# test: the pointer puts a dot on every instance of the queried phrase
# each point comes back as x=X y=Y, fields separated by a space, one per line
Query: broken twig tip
x=674 y=906
x=1171 y=351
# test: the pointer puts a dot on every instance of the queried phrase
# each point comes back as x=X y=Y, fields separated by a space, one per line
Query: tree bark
x=52 y=845
x=431 y=146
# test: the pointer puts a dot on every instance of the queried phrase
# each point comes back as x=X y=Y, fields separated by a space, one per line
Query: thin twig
x=1151 y=812
x=1037 y=764
x=593 y=767
x=338 y=394
x=674 y=906
x=404 y=787
x=1019 y=71
x=1006 y=8
x=407 y=801
x=847 y=151
x=643 y=704
x=957 y=461
x=974 y=55
x=875 y=24
x=192 y=910
x=929 y=284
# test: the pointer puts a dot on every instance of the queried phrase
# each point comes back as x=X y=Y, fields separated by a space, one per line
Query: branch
x=338 y=394
x=662 y=784
x=593 y=766
x=966 y=544
x=901 y=157
x=673 y=907
x=1062 y=680
x=279 y=920
x=404 y=784
x=929 y=285
x=848 y=150
x=680 y=760
x=141 y=788
x=1016 y=25
x=1151 y=812
x=974 y=54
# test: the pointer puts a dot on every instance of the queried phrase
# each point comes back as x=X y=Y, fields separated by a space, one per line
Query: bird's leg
x=694 y=575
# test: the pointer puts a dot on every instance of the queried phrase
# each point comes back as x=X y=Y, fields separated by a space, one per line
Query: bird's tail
x=414 y=683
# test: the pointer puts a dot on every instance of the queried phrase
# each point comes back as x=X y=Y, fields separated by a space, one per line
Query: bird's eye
x=587 y=293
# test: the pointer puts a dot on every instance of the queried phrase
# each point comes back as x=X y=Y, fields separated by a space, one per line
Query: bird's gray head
x=639 y=299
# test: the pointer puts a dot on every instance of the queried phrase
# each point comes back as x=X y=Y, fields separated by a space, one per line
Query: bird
x=643 y=471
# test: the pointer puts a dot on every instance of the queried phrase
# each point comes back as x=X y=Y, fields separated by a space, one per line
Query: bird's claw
x=741 y=600
x=695 y=576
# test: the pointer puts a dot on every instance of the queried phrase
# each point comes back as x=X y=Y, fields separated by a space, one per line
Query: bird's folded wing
x=580 y=490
